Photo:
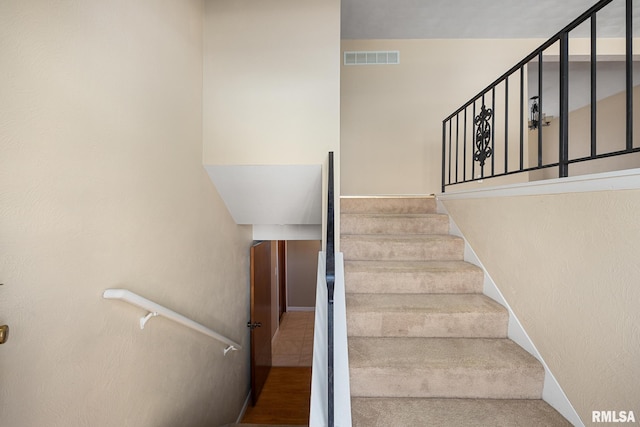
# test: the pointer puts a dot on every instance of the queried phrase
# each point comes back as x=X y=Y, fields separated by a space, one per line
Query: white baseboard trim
x=244 y=408
x=301 y=308
x=552 y=393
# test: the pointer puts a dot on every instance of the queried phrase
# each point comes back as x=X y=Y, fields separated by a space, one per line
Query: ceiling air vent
x=372 y=57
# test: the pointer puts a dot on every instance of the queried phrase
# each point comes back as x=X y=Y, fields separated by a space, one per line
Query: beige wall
x=391 y=134
x=102 y=186
x=271 y=81
x=302 y=272
x=272 y=84
x=610 y=137
x=567 y=264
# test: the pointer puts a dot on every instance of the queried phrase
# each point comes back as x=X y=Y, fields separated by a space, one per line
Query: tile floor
x=293 y=343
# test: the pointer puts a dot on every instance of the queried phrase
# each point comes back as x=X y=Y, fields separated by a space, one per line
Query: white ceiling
x=425 y=19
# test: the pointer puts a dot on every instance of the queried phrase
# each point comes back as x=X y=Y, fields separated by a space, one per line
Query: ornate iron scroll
x=483 y=135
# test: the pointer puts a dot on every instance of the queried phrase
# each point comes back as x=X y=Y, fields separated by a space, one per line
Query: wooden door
x=260 y=322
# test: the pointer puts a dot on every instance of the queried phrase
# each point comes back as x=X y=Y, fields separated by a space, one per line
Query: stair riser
x=520 y=383
x=467 y=282
x=427 y=250
x=458 y=325
x=352 y=224
x=390 y=205
x=383 y=412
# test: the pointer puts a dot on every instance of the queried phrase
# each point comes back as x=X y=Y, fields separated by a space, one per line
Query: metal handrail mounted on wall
x=470 y=149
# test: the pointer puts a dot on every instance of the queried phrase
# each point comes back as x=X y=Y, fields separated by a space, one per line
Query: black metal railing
x=478 y=138
x=330 y=275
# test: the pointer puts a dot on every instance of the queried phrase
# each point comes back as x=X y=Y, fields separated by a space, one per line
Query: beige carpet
x=425 y=346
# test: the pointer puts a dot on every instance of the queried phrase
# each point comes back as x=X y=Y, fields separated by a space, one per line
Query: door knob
x=4 y=333
x=253 y=325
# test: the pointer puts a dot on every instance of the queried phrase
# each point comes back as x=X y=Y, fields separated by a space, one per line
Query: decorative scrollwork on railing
x=483 y=135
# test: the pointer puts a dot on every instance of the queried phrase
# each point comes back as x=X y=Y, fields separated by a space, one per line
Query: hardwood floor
x=285 y=398
x=293 y=343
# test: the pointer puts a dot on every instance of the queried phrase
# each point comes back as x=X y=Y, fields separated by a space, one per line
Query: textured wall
x=391 y=134
x=102 y=185
x=271 y=81
x=567 y=264
x=272 y=87
x=610 y=137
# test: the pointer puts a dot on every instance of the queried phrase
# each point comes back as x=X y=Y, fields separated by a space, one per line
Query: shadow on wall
x=610 y=137
x=302 y=269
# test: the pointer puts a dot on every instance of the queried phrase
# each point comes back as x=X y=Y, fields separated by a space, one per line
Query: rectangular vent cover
x=372 y=57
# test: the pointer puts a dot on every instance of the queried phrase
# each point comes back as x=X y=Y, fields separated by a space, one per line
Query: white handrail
x=155 y=309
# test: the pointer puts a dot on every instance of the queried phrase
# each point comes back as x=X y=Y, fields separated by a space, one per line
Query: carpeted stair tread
x=411 y=412
x=436 y=247
x=443 y=367
x=394 y=224
x=399 y=267
x=413 y=277
x=408 y=205
x=425 y=315
x=425 y=346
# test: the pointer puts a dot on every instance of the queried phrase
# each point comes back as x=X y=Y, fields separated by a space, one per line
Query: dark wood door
x=260 y=322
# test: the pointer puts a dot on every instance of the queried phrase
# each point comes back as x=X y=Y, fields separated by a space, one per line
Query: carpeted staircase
x=426 y=347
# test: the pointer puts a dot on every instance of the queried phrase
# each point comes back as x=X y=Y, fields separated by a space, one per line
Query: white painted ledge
x=618 y=180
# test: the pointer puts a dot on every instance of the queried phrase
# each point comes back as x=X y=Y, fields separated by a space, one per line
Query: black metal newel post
x=629 y=71
x=563 y=155
x=464 y=150
x=444 y=151
x=331 y=279
x=540 y=109
x=493 y=130
x=473 y=156
x=522 y=117
x=594 y=80
x=457 y=154
x=506 y=125
x=450 y=137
